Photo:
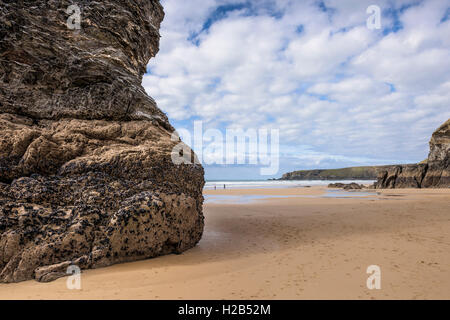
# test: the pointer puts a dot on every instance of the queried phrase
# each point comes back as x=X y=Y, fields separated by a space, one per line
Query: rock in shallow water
x=86 y=175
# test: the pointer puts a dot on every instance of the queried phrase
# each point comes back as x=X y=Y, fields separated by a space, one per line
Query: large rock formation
x=86 y=175
x=434 y=173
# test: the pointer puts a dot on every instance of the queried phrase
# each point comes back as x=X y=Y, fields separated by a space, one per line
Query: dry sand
x=306 y=247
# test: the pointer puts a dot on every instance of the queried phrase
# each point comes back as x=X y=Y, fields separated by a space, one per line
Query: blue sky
x=339 y=93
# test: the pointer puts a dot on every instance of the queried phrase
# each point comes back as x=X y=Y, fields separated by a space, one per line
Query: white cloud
x=332 y=84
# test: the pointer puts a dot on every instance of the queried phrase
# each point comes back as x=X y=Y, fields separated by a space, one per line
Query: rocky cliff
x=86 y=175
x=434 y=173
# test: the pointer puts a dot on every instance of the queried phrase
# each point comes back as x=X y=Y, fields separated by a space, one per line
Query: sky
x=340 y=94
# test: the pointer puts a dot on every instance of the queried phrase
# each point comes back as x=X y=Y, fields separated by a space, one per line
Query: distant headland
x=434 y=172
x=350 y=173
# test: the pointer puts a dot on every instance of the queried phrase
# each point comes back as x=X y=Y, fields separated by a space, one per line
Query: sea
x=269 y=184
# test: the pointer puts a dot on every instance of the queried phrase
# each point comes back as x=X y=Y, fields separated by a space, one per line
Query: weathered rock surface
x=48 y=71
x=435 y=173
x=86 y=175
x=346 y=186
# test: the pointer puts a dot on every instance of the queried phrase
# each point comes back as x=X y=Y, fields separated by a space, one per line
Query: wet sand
x=302 y=246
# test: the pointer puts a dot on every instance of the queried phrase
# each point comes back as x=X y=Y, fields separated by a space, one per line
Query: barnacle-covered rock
x=86 y=175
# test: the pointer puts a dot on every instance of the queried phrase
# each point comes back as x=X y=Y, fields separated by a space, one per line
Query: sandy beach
x=289 y=243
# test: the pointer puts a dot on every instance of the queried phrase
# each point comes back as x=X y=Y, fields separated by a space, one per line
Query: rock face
x=86 y=175
x=49 y=71
x=435 y=173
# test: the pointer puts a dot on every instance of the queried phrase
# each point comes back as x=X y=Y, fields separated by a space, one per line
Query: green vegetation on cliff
x=351 y=173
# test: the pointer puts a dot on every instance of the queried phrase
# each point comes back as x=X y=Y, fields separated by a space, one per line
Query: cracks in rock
x=424 y=173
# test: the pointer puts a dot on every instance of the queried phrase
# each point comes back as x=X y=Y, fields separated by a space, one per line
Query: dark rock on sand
x=346 y=186
x=86 y=175
x=433 y=173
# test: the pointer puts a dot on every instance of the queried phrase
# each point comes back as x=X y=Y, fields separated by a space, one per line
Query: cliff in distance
x=86 y=175
x=351 y=173
x=431 y=173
